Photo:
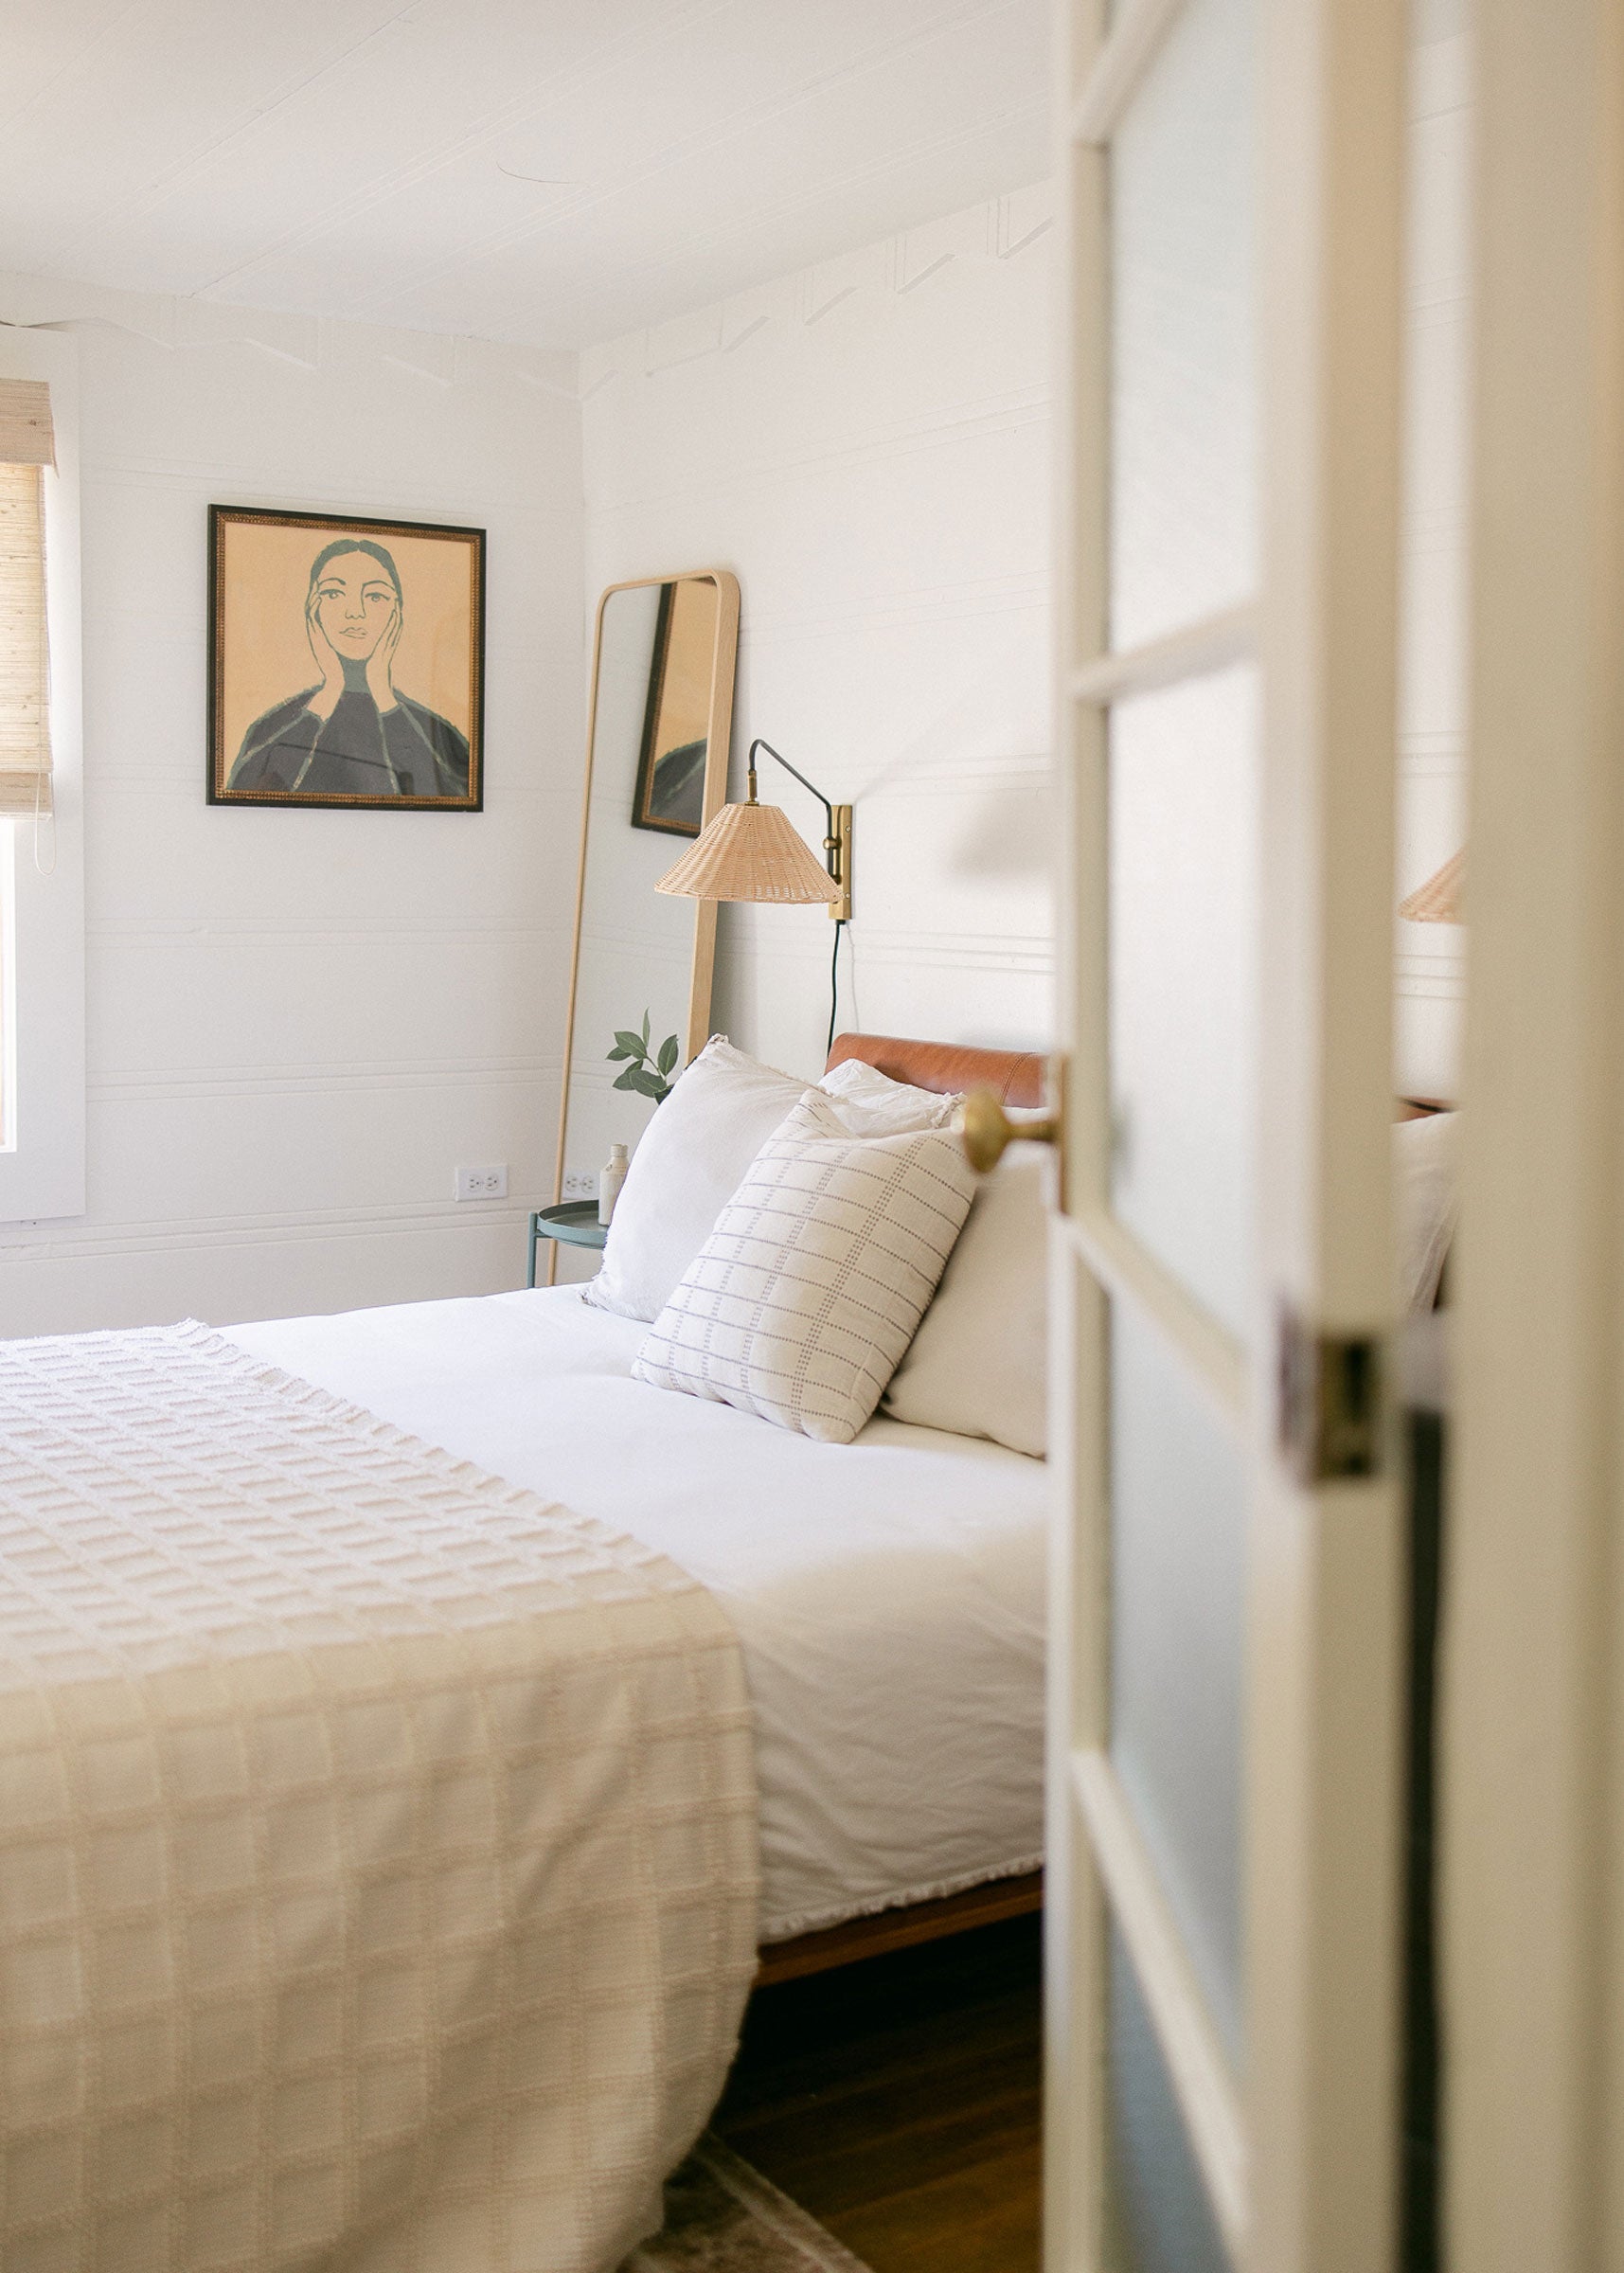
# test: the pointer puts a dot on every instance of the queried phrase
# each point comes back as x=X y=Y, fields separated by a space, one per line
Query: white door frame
x=1533 y=1652
x=1329 y=1593
x=1300 y=2161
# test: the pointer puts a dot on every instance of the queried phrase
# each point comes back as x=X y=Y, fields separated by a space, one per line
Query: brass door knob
x=985 y=1128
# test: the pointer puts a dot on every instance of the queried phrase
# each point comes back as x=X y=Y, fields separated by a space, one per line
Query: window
x=24 y=649
x=41 y=890
x=24 y=646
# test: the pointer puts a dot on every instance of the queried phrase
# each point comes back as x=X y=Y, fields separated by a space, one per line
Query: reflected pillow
x=1426 y=1202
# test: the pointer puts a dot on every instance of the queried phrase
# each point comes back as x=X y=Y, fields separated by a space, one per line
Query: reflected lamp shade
x=1442 y=898
x=751 y=852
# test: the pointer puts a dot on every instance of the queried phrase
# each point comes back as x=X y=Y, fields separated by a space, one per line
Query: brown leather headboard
x=1016 y=1076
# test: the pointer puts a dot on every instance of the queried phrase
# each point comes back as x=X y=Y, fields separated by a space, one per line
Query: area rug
x=723 y=2217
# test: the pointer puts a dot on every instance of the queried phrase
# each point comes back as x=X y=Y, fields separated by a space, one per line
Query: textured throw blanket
x=377 y=1843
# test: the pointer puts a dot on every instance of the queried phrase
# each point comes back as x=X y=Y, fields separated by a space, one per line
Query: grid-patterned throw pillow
x=801 y=1302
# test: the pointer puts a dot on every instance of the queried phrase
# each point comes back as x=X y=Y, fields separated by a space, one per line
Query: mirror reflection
x=679 y=674
x=657 y=770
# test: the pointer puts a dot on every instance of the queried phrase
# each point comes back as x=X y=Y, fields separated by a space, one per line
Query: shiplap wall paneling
x=1430 y=958
x=866 y=444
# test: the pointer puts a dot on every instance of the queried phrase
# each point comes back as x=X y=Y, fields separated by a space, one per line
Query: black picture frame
x=425 y=728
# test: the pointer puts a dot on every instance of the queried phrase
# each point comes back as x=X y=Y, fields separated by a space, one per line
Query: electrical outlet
x=579 y=1187
x=482 y=1183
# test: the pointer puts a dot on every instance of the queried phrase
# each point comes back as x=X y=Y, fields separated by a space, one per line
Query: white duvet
x=378 y=1841
x=888 y=1595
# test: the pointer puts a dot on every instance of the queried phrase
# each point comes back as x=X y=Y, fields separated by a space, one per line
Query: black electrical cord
x=834 y=983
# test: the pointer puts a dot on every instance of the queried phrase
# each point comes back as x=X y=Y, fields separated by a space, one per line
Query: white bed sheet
x=888 y=1595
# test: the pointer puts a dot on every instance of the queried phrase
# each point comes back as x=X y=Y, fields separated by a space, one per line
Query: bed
x=888 y=1595
x=892 y=1629
x=772 y=1694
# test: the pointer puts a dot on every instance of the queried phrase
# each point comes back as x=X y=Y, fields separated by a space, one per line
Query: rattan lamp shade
x=751 y=852
x=1442 y=898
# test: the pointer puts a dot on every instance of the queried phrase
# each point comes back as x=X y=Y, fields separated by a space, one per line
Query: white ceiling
x=369 y=159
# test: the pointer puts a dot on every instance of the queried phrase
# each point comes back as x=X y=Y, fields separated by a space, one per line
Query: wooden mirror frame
x=719 y=734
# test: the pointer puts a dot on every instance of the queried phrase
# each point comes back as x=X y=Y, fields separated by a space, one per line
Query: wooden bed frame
x=900 y=1928
x=1017 y=1077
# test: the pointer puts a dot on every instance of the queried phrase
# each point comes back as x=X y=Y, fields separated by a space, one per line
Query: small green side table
x=574 y=1224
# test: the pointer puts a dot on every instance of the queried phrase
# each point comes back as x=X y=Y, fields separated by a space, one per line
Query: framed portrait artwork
x=669 y=793
x=345 y=662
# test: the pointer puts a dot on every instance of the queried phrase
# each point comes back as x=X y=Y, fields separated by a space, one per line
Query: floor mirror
x=656 y=771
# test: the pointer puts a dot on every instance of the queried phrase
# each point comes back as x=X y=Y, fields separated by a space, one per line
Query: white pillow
x=695 y=1151
x=886 y=1105
x=1426 y=1202
x=979 y=1363
x=809 y=1290
x=689 y=1161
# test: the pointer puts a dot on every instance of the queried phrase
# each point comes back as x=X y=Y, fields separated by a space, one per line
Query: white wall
x=300 y=1022
x=866 y=444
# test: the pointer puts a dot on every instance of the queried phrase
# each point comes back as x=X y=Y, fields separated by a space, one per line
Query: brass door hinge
x=1332 y=1413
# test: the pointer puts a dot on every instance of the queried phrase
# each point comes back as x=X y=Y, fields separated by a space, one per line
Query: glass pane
x=1178 y=1591
x=1184 y=536
x=1183 y=918
x=1160 y=2219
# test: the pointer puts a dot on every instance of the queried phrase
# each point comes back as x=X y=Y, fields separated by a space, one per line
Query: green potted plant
x=647 y=1071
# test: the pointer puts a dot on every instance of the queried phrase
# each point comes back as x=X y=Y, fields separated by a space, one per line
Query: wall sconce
x=753 y=851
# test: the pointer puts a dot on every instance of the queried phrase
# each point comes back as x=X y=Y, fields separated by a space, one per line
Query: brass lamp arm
x=829 y=810
x=837 y=826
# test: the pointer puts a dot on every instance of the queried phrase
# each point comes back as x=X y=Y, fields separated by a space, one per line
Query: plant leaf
x=668 y=1053
x=632 y=1045
x=646 y=1084
x=619 y=1052
x=627 y=1081
x=645 y=1030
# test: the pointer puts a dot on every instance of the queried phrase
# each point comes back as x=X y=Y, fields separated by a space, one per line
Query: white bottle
x=610 y=1179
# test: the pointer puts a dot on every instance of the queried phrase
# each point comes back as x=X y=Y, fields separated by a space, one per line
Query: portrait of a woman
x=363 y=727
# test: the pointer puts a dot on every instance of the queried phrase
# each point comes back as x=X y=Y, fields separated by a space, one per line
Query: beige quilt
x=377 y=1843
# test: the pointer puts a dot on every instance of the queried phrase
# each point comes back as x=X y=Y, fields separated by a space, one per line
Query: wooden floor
x=896 y=2100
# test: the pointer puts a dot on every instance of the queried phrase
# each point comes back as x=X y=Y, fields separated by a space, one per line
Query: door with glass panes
x=1225 y=1677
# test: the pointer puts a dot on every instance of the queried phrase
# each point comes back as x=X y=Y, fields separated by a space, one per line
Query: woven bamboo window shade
x=26 y=447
